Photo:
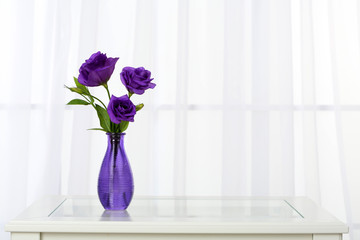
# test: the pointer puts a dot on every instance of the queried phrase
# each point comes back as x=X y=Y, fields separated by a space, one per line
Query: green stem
x=107 y=90
x=130 y=94
x=100 y=102
x=88 y=100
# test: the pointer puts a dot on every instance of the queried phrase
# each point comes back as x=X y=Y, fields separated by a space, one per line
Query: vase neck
x=115 y=138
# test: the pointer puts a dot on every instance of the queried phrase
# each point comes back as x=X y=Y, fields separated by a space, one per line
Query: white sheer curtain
x=253 y=97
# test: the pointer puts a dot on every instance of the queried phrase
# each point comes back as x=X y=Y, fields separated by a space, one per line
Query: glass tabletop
x=232 y=210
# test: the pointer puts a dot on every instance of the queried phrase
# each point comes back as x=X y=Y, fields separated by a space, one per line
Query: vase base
x=115 y=209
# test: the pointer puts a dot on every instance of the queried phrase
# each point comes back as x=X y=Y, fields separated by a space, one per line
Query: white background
x=253 y=98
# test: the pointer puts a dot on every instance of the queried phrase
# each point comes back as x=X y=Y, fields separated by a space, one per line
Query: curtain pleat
x=310 y=148
x=341 y=182
x=180 y=151
x=236 y=137
x=260 y=97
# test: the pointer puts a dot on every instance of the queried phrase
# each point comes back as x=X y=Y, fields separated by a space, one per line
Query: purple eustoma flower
x=136 y=80
x=96 y=70
x=121 y=109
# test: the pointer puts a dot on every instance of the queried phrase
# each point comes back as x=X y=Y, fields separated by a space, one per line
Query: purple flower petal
x=96 y=70
x=121 y=109
x=136 y=80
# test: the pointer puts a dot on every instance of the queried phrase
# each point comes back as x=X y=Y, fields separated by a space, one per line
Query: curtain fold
x=252 y=98
x=236 y=124
x=182 y=75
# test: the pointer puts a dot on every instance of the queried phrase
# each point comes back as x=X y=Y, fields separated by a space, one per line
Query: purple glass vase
x=115 y=184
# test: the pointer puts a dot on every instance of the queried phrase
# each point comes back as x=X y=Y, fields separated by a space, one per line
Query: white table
x=80 y=218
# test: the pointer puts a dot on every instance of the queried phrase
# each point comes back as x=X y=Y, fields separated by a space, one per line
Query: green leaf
x=139 y=106
x=76 y=90
x=103 y=117
x=123 y=125
x=80 y=86
x=78 y=102
x=99 y=129
x=84 y=89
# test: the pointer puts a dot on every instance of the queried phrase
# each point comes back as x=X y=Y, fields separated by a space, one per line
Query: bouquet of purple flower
x=96 y=71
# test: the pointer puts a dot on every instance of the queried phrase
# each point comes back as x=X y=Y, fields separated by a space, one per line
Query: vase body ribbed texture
x=115 y=183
